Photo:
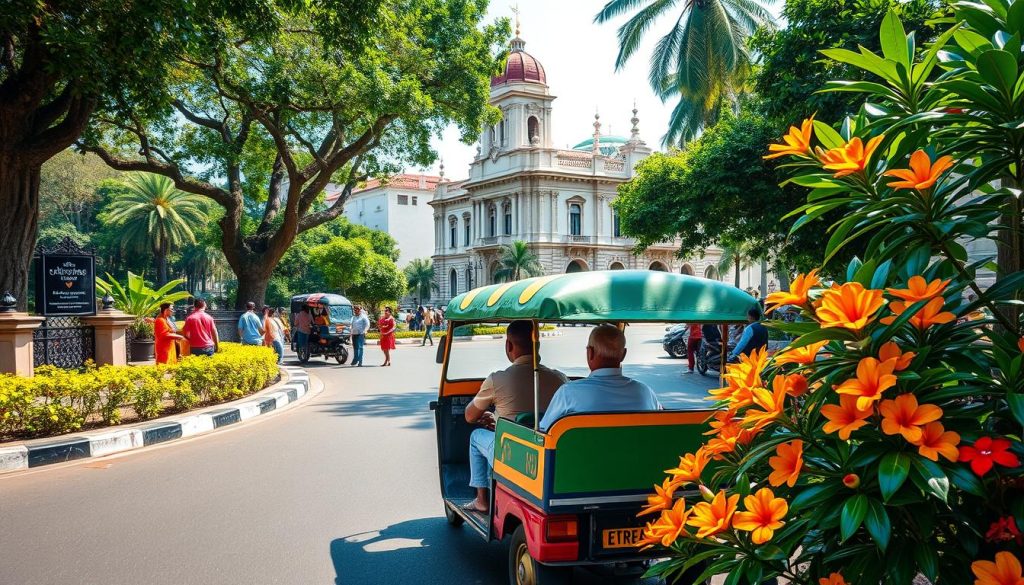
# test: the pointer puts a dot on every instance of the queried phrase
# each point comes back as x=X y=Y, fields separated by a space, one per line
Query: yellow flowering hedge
x=57 y=401
x=884 y=443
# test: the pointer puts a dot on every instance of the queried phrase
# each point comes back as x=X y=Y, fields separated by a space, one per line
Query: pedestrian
x=273 y=335
x=693 y=344
x=417 y=320
x=754 y=336
x=164 y=336
x=250 y=328
x=409 y=318
x=360 y=325
x=201 y=331
x=303 y=327
x=428 y=326
x=386 y=326
x=282 y=320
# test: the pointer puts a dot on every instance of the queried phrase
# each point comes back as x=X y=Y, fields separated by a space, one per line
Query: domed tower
x=521 y=93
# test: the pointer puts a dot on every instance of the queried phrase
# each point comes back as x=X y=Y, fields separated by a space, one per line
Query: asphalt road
x=342 y=489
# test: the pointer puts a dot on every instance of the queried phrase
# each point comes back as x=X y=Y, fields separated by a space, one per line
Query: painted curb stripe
x=160 y=432
x=115 y=442
x=268 y=405
x=12 y=458
x=225 y=417
x=58 y=452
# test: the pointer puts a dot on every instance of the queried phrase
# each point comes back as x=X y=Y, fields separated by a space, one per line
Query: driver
x=510 y=391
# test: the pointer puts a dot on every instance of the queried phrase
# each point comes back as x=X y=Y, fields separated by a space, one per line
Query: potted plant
x=142 y=302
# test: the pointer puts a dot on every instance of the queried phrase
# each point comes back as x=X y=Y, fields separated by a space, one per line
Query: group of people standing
x=269 y=329
x=197 y=337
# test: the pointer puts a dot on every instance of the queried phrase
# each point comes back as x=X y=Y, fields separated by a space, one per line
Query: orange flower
x=712 y=518
x=922 y=173
x=796 y=143
x=873 y=378
x=797 y=294
x=904 y=417
x=666 y=529
x=796 y=385
x=770 y=403
x=690 y=467
x=1005 y=571
x=844 y=417
x=919 y=290
x=936 y=440
x=661 y=499
x=850 y=306
x=852 y=157
x=851 y=480
x=742 y=378
x=801 y=355
x=727 y=434
x=891 y=351
x=1020 y=344
x=787 y=463
x=833 y=579
x=763 y=516
x=930 y=314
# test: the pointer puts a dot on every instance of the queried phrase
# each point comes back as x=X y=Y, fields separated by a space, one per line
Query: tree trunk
x=19 y=216
x=252 y=287
x=764 y=277
x=161 y=269
x=1010 y=247
x=736 y=260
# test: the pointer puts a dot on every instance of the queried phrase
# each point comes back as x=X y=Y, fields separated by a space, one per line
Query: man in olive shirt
x=510 y=391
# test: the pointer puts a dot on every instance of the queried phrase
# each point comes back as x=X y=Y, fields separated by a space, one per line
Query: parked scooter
x=674 y=342
x=709 y=354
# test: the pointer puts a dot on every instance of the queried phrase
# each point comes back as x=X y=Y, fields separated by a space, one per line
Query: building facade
x=521 y=187
x=400 y=206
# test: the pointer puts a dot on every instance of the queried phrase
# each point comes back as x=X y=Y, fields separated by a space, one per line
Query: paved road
x=342 y=490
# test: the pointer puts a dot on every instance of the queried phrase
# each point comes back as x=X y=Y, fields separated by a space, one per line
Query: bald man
x=606 y=389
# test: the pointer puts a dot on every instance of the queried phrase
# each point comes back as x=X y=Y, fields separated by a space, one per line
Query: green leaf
x=892 y=472
x=877 y=524
x=827 y=135
x=829 y=333
x=1016 y=403
x=894 y=39
x=927 y=560
x=965 y=479
x=814 y=495
x=930 y=477
x=971 y=41
x=854 y=511
x=999 y=69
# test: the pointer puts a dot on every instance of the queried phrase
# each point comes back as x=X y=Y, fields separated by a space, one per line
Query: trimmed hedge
x=58 y=401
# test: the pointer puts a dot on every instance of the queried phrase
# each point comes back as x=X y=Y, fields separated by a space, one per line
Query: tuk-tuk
x=332 y=318
x=570 y=496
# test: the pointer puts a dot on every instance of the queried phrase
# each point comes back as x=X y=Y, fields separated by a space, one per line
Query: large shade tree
x=703 y=60
x=61 y=61
x=155 y=216
x=343 y=91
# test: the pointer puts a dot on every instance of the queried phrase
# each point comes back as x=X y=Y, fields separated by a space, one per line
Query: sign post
x=66 y=281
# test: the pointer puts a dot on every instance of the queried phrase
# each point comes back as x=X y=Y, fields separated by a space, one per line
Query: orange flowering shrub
x=885 y=442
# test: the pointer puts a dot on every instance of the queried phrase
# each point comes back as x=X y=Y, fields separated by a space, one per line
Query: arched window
x=616 y=266
x=507 y=211
x=492 y=222
x=452 y=231
x=453 y=283
x=711 y=272
x=616 y=226
x=576 y=266
x=466 y=229
x=658 y=266
x=533 y=129
x=686 y=269
x=469 y=278
x=501 y=126
x=575 y=219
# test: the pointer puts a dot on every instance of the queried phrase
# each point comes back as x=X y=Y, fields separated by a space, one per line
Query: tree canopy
x=262 y=126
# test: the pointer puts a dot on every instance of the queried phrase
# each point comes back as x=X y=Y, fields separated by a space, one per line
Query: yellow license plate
x=621 y=537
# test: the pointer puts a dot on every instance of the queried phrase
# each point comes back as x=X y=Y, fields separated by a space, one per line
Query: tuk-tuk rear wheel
x=454 y=519
x=524 y=570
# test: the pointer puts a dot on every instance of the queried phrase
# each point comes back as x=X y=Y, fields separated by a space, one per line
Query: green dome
x=609 y=144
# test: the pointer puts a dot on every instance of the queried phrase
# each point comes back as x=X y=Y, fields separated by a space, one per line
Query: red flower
x=986 y=452
x=1004 y=530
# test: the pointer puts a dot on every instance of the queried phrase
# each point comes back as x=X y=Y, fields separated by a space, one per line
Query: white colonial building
x=521 y=187
x=398 y=205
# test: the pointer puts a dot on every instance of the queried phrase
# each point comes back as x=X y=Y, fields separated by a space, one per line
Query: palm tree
x=156 y=216
x=516 y=262
x=703 y=59
x=420 y=274
x=736 y=256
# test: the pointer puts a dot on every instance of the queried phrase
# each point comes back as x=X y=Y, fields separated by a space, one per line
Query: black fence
x=63 y=342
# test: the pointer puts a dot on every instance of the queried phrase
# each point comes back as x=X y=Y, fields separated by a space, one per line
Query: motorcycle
x=709 y=356
x=674 y=342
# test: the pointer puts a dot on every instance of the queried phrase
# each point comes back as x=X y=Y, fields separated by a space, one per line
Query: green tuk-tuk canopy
x=607 y=295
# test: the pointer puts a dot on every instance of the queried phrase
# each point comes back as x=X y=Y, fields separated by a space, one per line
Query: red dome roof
x=521 y=67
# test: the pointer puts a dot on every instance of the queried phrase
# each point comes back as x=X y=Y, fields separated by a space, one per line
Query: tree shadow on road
x=413 y=406
x=424 y=550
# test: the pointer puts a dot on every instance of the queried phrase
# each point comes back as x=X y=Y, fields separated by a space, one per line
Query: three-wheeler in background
x=569 y=496
x=330 y=333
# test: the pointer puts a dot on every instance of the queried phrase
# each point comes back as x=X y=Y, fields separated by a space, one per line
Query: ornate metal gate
x=63 y=342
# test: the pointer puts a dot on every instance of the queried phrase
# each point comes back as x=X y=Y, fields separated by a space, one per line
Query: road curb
x=114 y=440
x=419 y=340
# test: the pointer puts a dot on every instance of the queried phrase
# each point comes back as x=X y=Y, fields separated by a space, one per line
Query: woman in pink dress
x=386 y=325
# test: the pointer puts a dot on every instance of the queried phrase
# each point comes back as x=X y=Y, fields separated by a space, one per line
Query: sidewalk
x=14 y=456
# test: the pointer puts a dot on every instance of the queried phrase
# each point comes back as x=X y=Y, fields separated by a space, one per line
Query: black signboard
x=65 y=281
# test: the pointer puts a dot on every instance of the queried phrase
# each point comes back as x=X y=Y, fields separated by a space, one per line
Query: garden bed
x=57 y=401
